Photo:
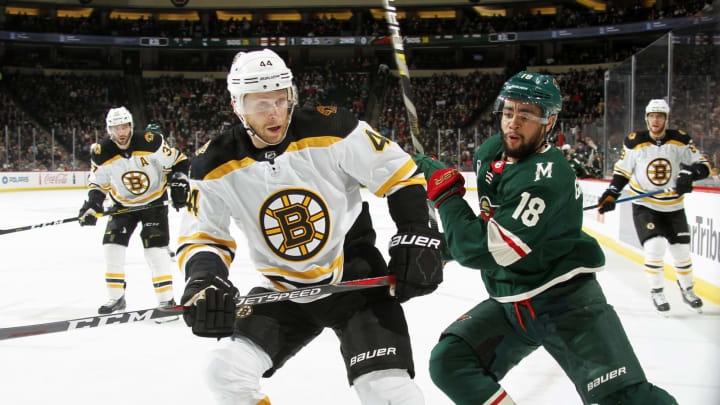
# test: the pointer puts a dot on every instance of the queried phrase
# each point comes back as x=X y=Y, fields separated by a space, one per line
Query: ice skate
x=690 y=298
x=113 y=305
x=660 y=302
x=167 y=304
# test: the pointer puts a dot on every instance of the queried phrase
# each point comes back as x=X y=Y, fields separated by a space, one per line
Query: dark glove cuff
x=96 y=198
x=206 y=262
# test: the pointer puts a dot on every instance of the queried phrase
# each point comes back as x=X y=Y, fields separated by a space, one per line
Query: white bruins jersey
x=295 y=201
x=136 y=176
x=651 y=165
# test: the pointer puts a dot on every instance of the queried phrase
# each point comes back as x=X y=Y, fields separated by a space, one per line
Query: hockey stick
x=155 y=313
x=635 y=197
x=404 y=72
x=109 y=212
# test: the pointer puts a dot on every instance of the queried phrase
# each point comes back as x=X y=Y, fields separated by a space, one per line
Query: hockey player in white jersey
x=651 y=160
x=135 y=169
x=290 y=179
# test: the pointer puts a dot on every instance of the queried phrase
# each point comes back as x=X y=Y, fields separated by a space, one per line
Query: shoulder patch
x=678 y=136
x=102 y=151
x=146 y=141
x=637 y=138
x=216 y=152
x=322 y=121
x=327 y=109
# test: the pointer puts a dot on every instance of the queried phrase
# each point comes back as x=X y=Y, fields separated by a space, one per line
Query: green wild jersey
x=529 y=235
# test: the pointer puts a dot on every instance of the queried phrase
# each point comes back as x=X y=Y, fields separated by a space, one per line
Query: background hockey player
x=133 y=169
x=290 y=179
x=537 y=264
x=651 y=160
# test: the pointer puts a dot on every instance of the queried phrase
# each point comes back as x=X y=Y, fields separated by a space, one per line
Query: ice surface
x=57 y=273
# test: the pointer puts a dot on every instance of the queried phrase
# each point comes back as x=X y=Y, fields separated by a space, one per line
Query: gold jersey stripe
x=408 y=167
x=162 y=278
x=187 y=250
x=115 y=275
x=305 y=275
x=228 y=167
x=163 y=289
x=206 y=236
x=112 y=159
x=150 y=197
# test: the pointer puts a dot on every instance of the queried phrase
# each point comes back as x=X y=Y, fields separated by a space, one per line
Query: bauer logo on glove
x=416 y=240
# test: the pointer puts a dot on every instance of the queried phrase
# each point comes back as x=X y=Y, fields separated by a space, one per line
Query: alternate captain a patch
x=295 y=224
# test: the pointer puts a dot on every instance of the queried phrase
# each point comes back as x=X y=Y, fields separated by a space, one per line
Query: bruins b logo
x=295 y=224
x=136 y=182
x=659 y=171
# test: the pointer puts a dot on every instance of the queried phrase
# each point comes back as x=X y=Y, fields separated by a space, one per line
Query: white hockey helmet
x=258 y=72
x=117 y=116
x=657 y=105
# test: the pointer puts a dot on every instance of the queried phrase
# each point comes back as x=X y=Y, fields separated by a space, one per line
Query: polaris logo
x=417 y=240
x=385 y=351
x=607 y=377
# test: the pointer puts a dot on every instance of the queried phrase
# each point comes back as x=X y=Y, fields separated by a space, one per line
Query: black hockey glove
x=211 y=305
x=685 y=178
x=179 y=190
x=415 y=260
x=606 y=202
x=86 y=216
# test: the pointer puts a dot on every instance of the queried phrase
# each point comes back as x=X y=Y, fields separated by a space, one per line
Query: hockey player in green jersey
x=537 y=264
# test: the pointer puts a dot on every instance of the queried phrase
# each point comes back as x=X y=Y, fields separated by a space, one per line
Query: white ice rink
x=57 y=273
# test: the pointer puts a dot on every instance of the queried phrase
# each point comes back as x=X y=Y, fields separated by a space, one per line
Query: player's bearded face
x=523 y=129
x=656 y=122
x=121 y=135
x=267 y=114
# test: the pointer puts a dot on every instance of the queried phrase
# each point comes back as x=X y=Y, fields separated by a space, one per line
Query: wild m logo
x=543 y=170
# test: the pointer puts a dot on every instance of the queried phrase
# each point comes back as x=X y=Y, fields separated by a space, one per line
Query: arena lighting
x=179 y=3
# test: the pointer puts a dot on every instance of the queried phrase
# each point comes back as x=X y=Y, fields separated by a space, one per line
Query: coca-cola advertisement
x=55 y=178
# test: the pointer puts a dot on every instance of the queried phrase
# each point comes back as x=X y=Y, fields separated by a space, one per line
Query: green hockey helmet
x=154 y=127
x=532 y=88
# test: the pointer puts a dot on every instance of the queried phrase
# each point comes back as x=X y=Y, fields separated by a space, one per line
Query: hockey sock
x=114 y=269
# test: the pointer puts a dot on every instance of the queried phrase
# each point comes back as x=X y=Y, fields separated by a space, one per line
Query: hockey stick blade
x=155 y=313
x=109 y=212
x=635 y=197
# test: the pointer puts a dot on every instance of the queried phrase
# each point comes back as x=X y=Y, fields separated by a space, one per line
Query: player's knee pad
x=642 y=393
x=654 y=250
x=154 y=236
x=392 y=386
x=680 y=253
x=234 y=370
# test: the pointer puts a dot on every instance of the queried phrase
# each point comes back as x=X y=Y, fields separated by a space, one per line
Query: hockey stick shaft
x=155 y=313
x=635 y=197
x=73 y=219
x=404 y=72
